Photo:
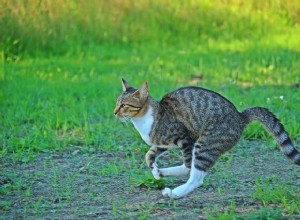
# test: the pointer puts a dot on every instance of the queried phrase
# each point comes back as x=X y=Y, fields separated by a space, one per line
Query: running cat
x=202 y=123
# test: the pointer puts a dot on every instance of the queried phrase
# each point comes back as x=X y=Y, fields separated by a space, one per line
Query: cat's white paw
x=156 y=173
x=167 y=192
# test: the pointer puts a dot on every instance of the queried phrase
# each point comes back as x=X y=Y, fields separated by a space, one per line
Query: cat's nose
x=116 y=111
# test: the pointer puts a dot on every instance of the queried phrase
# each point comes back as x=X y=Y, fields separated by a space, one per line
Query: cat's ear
x=125 y=85
x=144 y=91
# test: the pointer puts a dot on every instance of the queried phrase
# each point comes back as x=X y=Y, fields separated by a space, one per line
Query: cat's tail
x=275 y=128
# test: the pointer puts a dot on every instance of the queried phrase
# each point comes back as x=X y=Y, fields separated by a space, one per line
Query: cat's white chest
x=144 y=124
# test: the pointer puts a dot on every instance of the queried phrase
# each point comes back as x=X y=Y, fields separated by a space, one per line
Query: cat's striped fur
x=202 y=123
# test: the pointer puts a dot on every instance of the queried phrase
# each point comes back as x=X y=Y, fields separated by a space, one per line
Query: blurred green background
x=51 y=27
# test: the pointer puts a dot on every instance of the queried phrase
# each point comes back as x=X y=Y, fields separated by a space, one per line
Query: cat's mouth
x=122 y=118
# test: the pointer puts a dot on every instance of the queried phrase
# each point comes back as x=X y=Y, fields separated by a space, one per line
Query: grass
x=278 y=198
x=64 y=103
x=264 y=213
x=37 y=117
x=60 y=72
x=280 y=194
x=35 y=27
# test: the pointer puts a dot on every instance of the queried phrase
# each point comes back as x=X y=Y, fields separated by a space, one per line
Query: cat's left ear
x=144 y=91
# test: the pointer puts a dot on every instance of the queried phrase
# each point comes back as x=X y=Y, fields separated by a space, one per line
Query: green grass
x=264 y=213
x=281 y=195
x=36 y=27
x=59 y=102
x=278 y=198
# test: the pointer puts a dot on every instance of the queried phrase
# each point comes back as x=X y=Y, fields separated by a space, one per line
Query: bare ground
x=78 y=185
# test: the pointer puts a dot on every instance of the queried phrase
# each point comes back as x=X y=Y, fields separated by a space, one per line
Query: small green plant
x=227 y=158
x=121 y=210
x=37 y=205
x=5 y=205
x=112 y=168
x=264 y=214
x=147 y=181
x=229 y=214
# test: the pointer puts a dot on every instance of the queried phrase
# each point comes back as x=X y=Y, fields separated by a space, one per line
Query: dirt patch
x=77 y=185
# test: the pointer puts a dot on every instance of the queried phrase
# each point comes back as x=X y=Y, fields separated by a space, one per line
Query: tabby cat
x=202 y=123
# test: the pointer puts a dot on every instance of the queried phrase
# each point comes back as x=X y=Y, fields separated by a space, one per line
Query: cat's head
x=131 y=102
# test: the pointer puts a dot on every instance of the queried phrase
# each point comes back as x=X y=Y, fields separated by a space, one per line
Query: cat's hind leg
x=205 y=154
x=195 y=180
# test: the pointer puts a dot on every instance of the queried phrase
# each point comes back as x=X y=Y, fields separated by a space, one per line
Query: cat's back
x=198 y=108
x=198 y=98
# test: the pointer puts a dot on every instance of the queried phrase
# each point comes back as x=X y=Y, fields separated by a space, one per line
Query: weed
x=227 y=158
x=147 y=181
x=37 y=205
x=112 y=168
x=226 y=215
x=121 y=210
x=265 y=213
x=5 y=205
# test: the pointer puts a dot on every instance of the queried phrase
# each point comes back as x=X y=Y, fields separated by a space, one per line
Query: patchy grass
x=277 y=194
x=257 y=183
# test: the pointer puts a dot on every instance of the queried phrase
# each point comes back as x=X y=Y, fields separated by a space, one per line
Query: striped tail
x=275 y=128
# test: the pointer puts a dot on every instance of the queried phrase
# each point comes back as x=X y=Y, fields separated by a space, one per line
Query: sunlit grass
x=42 y=28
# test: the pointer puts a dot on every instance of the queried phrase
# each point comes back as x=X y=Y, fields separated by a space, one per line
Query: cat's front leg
x=156 y=172
x=175 y=171
x=151 y=157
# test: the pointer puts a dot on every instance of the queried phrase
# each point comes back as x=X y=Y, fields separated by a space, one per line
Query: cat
x=202 y=123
